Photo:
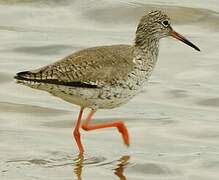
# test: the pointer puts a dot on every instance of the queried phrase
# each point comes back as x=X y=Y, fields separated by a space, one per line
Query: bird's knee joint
x=76 y=134
x=85 y=127
x=121 y=126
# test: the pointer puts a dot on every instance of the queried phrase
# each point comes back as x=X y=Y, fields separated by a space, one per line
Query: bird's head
x=156 y=25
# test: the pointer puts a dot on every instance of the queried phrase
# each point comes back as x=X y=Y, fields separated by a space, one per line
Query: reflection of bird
x=123 y=161
x=118 y=171
x=107 y=76
x=78 y=166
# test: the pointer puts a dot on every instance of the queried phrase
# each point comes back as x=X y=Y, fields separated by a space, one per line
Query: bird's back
x=92 y=67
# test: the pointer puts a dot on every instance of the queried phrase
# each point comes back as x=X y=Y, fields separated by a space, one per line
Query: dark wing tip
x=25 y=74
x=22 y=75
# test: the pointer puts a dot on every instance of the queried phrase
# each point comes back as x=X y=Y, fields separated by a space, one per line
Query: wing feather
x=92 y=67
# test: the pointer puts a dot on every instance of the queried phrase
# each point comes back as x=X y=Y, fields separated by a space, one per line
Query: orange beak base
x=183 y=39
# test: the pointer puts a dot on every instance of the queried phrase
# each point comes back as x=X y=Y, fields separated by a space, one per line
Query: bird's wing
x=92 y=67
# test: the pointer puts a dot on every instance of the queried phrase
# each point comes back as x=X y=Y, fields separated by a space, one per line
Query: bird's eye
x=165 y=23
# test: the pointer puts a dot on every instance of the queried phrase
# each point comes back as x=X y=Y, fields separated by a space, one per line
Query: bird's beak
x=183 y=39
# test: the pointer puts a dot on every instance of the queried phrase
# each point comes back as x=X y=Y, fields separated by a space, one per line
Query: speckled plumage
x=104 y=76
x=106 y=84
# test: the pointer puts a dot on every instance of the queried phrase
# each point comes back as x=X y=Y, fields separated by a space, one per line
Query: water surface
x=173 y=122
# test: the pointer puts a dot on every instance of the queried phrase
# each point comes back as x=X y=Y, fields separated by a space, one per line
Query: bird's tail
x=25 y=75
x=31 y=79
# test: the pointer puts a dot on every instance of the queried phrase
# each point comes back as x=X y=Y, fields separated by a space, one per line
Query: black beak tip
x=183 y=39
x=196 y=48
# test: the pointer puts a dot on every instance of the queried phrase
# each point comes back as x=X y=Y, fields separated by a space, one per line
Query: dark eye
x=165 y=23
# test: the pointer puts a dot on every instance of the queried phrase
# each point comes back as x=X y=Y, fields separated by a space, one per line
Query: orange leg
x=76 y=132
x=118 y=124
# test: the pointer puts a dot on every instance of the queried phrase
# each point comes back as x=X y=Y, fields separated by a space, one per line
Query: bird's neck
x=146 y=53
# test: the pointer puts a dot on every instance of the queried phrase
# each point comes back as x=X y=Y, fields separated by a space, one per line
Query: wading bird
x=105 y=77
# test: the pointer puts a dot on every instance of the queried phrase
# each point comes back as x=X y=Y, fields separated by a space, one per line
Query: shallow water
x=173 y=122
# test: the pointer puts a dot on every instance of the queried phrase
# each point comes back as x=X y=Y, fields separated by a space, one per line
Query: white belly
x=106 y=97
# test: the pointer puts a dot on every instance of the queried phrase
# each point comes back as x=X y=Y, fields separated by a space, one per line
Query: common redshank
x=105 y=77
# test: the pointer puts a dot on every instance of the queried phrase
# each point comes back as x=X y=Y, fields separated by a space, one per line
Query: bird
x=105 y=77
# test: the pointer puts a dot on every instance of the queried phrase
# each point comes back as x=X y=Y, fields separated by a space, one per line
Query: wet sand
x=173 y=123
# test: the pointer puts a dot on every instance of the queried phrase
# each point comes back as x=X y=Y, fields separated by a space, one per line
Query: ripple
x=178 y=93
x=30 y=161
x=124 y=13
x=42 y=50
x=29 y=109
x=152 y=169
x=39 y=2
x=201 y=134
x=60 y=160
x=213 y=102
x=5 y=78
